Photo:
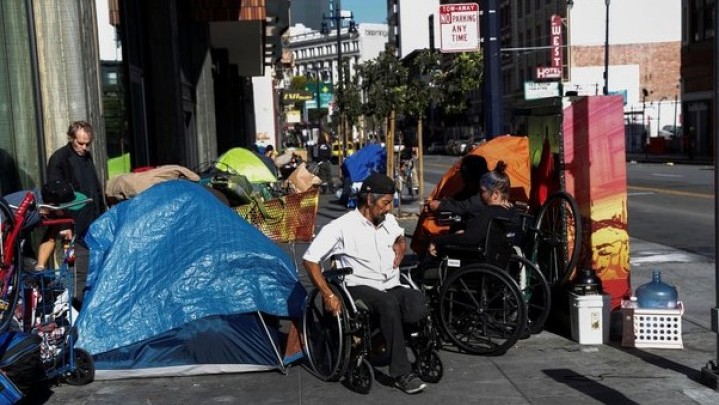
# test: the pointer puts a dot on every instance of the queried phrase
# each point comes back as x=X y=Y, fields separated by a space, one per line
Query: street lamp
x=336 y=18
x=606 y=50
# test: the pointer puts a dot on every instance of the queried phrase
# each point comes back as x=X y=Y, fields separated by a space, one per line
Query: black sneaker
x=409 y=383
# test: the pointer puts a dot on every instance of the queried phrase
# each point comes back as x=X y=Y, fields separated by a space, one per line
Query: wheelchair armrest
x=334 y=274
x=448 y=218
x=464 y=249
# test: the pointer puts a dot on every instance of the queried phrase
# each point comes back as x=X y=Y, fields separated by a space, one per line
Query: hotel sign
x=557 y=57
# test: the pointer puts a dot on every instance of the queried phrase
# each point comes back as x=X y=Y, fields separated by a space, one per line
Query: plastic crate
x=652 y=328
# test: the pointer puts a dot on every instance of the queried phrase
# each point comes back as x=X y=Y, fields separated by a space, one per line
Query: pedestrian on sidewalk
x=73 y=164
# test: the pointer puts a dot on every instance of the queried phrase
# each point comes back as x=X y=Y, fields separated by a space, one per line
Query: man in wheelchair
x=370 y=242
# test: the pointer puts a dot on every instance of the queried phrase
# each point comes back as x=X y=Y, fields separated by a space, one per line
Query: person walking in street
x=73 y=164
x=370 y=241
x=323 y=156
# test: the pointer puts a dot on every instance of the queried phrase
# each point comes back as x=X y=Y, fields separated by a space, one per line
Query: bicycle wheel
x=558 y=238
x=535 y=290
x=326 y=346
x=482 y=310
x=10 y=287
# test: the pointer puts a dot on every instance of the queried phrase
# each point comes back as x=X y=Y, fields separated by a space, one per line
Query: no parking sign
x=459 y=27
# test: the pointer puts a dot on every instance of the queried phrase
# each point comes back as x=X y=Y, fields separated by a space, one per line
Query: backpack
x=236 y=187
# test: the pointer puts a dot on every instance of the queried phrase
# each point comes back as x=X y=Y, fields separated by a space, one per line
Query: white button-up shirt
x=358 y=244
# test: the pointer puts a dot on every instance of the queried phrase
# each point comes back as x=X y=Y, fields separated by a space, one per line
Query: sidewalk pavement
x=547 y=368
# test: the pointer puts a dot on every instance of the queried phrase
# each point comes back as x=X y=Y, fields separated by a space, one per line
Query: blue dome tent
x=179 y=284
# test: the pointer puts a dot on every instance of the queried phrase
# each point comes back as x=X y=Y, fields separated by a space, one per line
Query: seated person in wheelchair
x=370 y=242
x=494 y=190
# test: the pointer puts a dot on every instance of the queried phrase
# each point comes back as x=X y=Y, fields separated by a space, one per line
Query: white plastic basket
x=652 y=328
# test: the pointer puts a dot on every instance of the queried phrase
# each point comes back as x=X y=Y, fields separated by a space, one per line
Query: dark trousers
x=394 y=308
x=82 y=262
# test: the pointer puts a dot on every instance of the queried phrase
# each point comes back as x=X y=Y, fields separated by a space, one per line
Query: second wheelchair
x=344 y=347
x=486 y=298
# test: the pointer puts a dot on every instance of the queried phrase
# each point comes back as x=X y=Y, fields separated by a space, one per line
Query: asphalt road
x=672 y=205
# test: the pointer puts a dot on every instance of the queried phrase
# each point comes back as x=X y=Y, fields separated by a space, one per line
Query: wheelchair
x=488 y=297
x=344 y=347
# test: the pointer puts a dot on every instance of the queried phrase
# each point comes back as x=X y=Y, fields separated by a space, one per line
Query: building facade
x=309 y=12
x=412 y=25
x=311 y=50
x=699 y=76
x=643 y=44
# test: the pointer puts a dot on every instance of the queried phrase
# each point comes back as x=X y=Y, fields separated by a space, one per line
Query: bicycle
x=52 y=321
x=554 y=239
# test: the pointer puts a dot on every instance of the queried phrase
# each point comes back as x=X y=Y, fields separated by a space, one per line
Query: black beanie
x=377 y=183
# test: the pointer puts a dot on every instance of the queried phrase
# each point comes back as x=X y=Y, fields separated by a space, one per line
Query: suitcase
x=20 y=359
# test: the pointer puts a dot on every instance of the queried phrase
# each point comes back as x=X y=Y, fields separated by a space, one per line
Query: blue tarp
x=173 y=266
x=370 y=159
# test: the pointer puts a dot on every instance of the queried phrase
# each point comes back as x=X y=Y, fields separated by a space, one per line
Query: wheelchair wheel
x=360 y=376
x=535 y=291
x=482 y=310
x=326 y=346
x=428 y=366
x=558 y=238
x=84 y=372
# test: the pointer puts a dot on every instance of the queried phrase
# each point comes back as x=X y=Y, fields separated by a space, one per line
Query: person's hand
x=66 y=234
x=432 y=249
x=332 y=304
x=432 y=205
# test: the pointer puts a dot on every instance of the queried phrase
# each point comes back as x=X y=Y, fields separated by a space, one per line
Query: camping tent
x=247 y=163
x=370 y=159
x=179 y=284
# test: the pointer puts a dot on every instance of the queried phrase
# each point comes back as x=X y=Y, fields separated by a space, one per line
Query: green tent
x=247 y=163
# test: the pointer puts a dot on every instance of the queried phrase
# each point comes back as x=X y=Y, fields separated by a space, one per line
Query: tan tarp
x=129 y=185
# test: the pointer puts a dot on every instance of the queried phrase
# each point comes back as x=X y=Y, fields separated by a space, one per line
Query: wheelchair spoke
x=482 y=310
x=325 y=345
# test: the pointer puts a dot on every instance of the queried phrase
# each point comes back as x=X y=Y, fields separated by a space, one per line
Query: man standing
x=73 y=164
x=370 y=241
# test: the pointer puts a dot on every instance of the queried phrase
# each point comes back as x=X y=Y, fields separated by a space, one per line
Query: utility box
x=589 y=317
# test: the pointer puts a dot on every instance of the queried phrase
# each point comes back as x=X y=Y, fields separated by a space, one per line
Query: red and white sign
x=459 y=27
x=556 y=38
x=548 y=72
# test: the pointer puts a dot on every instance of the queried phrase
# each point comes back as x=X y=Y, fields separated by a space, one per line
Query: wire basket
x=290 y=218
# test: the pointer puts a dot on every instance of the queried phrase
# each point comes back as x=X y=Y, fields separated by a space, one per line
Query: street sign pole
x=492 y=71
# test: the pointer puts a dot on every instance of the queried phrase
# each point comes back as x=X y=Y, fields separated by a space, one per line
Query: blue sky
x=367 y=11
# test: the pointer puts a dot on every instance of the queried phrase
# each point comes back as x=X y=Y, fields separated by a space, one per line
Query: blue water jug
x=657 y=294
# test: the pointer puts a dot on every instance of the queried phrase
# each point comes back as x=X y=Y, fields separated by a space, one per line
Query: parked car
x=669 y=131
x=435 y=147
